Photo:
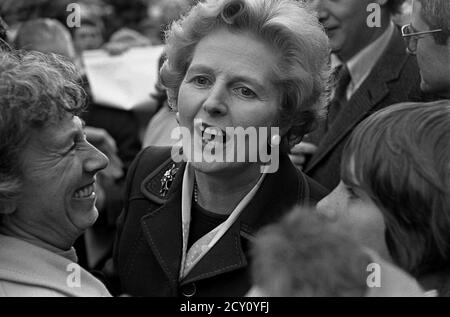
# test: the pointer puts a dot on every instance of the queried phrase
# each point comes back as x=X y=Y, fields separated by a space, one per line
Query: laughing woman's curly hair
x=36 y=90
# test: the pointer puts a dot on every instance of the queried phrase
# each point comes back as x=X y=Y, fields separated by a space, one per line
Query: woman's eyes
x=77 y=141
x=202 y=81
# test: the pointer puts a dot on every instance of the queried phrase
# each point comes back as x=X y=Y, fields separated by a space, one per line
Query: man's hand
x=301 y=152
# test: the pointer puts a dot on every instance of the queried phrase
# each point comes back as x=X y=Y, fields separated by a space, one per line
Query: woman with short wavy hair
x=247 y=77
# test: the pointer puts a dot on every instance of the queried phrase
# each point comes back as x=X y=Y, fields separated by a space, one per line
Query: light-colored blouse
x=27 y=270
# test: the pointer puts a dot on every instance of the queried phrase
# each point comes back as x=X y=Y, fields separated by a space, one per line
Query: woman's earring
x=275 y=140
x=177 y=116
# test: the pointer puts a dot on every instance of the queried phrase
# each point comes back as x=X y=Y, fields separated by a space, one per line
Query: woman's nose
x=215 y=103
x=96 y=160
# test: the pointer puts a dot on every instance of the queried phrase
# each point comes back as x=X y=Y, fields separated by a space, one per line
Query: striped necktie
x=342 y=79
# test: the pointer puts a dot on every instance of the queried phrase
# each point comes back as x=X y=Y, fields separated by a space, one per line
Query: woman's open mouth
x=210 y=134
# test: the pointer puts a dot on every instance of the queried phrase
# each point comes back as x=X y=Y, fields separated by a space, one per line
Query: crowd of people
x=355 y=118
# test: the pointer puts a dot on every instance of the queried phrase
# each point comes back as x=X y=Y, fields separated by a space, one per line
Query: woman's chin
x=84 y=218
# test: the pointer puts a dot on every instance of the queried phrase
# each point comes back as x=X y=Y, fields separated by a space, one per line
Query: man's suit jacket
x=148 y=247
x=394 y=78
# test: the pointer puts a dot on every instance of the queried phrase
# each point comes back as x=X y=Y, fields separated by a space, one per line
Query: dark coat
x=149 y=243
x=394 y=78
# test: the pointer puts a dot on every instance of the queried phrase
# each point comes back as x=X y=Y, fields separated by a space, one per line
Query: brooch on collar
x=167 y=179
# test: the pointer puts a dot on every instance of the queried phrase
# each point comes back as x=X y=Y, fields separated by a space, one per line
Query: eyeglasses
x=411 y=37
x=4 y=46
x=3 y=28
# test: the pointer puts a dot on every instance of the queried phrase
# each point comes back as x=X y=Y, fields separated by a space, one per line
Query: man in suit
x=372 y=71
x=428 y=37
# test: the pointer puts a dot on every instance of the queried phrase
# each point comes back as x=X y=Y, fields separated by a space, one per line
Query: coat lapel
x=371 y=92
x=162 y=230
x=277 y=194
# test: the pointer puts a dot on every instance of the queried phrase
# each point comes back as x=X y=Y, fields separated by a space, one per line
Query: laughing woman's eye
x=77 y=141
x=74 y=145
x=71 y=148
x=245 y=92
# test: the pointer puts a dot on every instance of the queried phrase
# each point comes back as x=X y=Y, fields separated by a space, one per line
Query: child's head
x=395 y=175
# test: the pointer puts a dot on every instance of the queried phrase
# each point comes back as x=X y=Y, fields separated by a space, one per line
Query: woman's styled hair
x=305 y=255
x=401 y=158
x=36 y=90
x=288 y=26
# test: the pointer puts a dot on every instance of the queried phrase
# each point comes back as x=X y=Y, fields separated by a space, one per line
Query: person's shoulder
x=15 y=289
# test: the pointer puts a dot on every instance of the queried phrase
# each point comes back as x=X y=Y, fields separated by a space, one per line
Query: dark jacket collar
x=162 y=226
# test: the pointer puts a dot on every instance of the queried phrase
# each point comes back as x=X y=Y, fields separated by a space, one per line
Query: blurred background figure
x=17 y=11
x=303 y=255
x=113 y=25
x=394 y=194
x=91 y=33
x=160 y=13
x=428 y=37
x=163 y=122
x=46 y=36
x=47 y=177
x=128 y=14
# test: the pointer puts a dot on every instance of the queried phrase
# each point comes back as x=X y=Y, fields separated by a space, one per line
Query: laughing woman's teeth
x=85 y=192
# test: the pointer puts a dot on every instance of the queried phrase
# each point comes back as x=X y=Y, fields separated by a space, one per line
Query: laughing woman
x=47 y=178
x=248 y=64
